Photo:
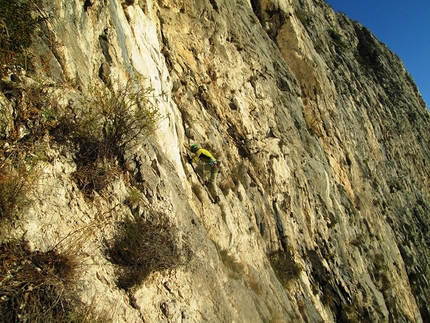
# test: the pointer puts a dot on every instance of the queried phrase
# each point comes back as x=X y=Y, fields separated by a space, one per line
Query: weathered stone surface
x=324 y=143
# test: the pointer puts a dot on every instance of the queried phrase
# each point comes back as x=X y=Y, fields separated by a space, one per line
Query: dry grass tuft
x=235 y=268
x=36 y=286
x=141 y=247
x=105 y=125
x=14 y=190
x=284 y=266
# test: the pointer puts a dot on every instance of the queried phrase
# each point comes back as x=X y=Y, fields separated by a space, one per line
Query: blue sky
x=402 y=25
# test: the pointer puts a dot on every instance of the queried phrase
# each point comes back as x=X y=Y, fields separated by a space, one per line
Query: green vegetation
x=37 y=286
x=134 y=198
x=141 y=247
x=16 y=28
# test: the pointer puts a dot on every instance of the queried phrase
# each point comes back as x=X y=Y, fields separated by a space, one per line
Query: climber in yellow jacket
x=206 y=163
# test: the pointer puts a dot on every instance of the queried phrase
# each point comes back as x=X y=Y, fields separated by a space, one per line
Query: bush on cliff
x=16 y=28
x=36 y=286
x=141 y=247
x=105 y=125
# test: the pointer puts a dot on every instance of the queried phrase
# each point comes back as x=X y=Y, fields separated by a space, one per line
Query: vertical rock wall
x=324 y=145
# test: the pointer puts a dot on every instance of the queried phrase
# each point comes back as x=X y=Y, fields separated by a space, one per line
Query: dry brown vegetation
x=141 y=247
x=284 y=266
x=36 y=286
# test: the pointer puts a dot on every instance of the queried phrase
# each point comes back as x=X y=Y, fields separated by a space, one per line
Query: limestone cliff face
x=324 y=143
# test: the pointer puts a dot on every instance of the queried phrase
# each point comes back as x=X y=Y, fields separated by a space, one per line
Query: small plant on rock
x=14 y=189
x=16 y=28
x=106 y=125
x=141 y=247
x=35 y=286
x=284 y=266
x=111 y=120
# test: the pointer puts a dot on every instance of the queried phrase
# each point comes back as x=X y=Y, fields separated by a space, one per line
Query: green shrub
x=16 y=29
x=141 y=247
x=35 y=286
x=134 y=198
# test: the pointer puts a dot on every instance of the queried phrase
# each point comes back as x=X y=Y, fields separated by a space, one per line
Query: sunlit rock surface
x=324 y=143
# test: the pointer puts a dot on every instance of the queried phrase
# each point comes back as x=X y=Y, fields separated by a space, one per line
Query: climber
x=206 y=163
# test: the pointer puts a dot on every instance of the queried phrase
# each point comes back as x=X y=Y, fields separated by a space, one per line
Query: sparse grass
x=141 y=247
x=24 y=124
x=284 y=266
x=32 y=116
x=115 y=118
x=36 y=286
x=134 y=198
x=95 y=176
x=14 y=190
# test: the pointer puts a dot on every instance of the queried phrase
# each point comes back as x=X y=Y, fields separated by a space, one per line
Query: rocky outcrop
x=323 y=138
